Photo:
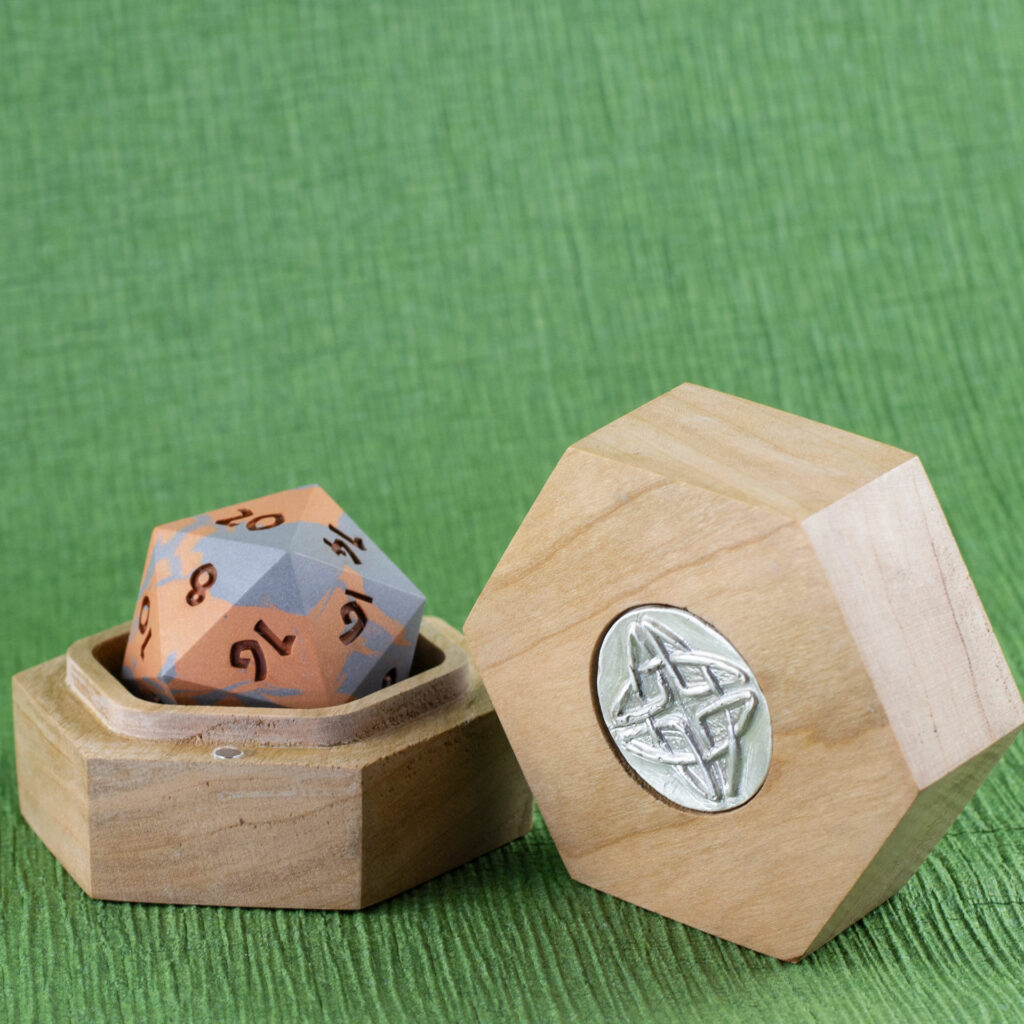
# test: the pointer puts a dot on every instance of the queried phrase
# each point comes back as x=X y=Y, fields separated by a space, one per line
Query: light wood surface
x=743 y=450
x=915 y=616
x=716 y=505
x=335 y=827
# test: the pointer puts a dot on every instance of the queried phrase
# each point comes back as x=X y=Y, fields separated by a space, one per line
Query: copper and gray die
x=281 y=601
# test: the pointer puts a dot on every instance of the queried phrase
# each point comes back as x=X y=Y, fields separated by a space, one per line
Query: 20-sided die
x=282 y=601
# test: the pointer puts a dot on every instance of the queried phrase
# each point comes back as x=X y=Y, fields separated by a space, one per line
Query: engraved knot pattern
x=684 y=709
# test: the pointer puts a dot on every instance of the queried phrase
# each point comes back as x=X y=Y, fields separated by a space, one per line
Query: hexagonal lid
x=743 y=667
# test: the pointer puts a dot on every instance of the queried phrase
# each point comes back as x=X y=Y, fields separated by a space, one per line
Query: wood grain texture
x=53 y=780
x=317 y=826
x=842 y=790
x=933 y=811
x=914 y=613
x=758 y=455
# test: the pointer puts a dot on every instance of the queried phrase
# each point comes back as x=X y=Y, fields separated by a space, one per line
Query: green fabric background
x=411 y=252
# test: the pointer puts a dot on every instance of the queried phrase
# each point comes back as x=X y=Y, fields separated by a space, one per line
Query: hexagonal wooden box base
x=332 y=808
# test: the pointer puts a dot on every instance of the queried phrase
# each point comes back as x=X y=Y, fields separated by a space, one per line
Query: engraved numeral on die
x=144 y=610
x=353 y=616
x=252 y=648
x=267 y=521
x=345 y=545
x=202 y=579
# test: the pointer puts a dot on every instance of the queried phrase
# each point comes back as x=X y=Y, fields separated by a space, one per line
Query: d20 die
x=749 y=682
x=282 y=601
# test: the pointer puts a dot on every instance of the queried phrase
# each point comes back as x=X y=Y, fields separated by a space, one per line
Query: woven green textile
x=411 y=251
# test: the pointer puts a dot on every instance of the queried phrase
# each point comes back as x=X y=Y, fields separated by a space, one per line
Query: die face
x=631 y=518
x=361 y=636
x=252 y=605
x=260 y=657
x=142 y=652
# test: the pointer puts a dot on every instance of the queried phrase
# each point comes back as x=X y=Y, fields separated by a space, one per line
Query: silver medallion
x=683 y=708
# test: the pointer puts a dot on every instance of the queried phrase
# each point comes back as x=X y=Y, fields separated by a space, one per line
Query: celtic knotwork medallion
x=683 y=708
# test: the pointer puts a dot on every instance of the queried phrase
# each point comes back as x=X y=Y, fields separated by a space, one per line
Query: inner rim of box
x=440 y=674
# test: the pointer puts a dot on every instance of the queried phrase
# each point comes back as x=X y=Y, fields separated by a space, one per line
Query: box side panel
x=430 y=807
x=913 y=611
x=51 y=769
x=927 y=821
x=270 y=829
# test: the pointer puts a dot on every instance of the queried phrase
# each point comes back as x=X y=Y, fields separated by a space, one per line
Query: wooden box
x=814 y=561
x=332 y=808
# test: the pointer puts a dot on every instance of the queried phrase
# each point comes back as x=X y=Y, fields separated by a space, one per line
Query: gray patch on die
x=164 y=551
x=278 y=588
x=315 y=580
x=239 y=566
x=363 y=673
x=372 y=561
x=403 y=605
x=383 y=568
x=155 y=687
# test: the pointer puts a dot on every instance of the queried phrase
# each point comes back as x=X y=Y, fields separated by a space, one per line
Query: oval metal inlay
x=683 y=708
